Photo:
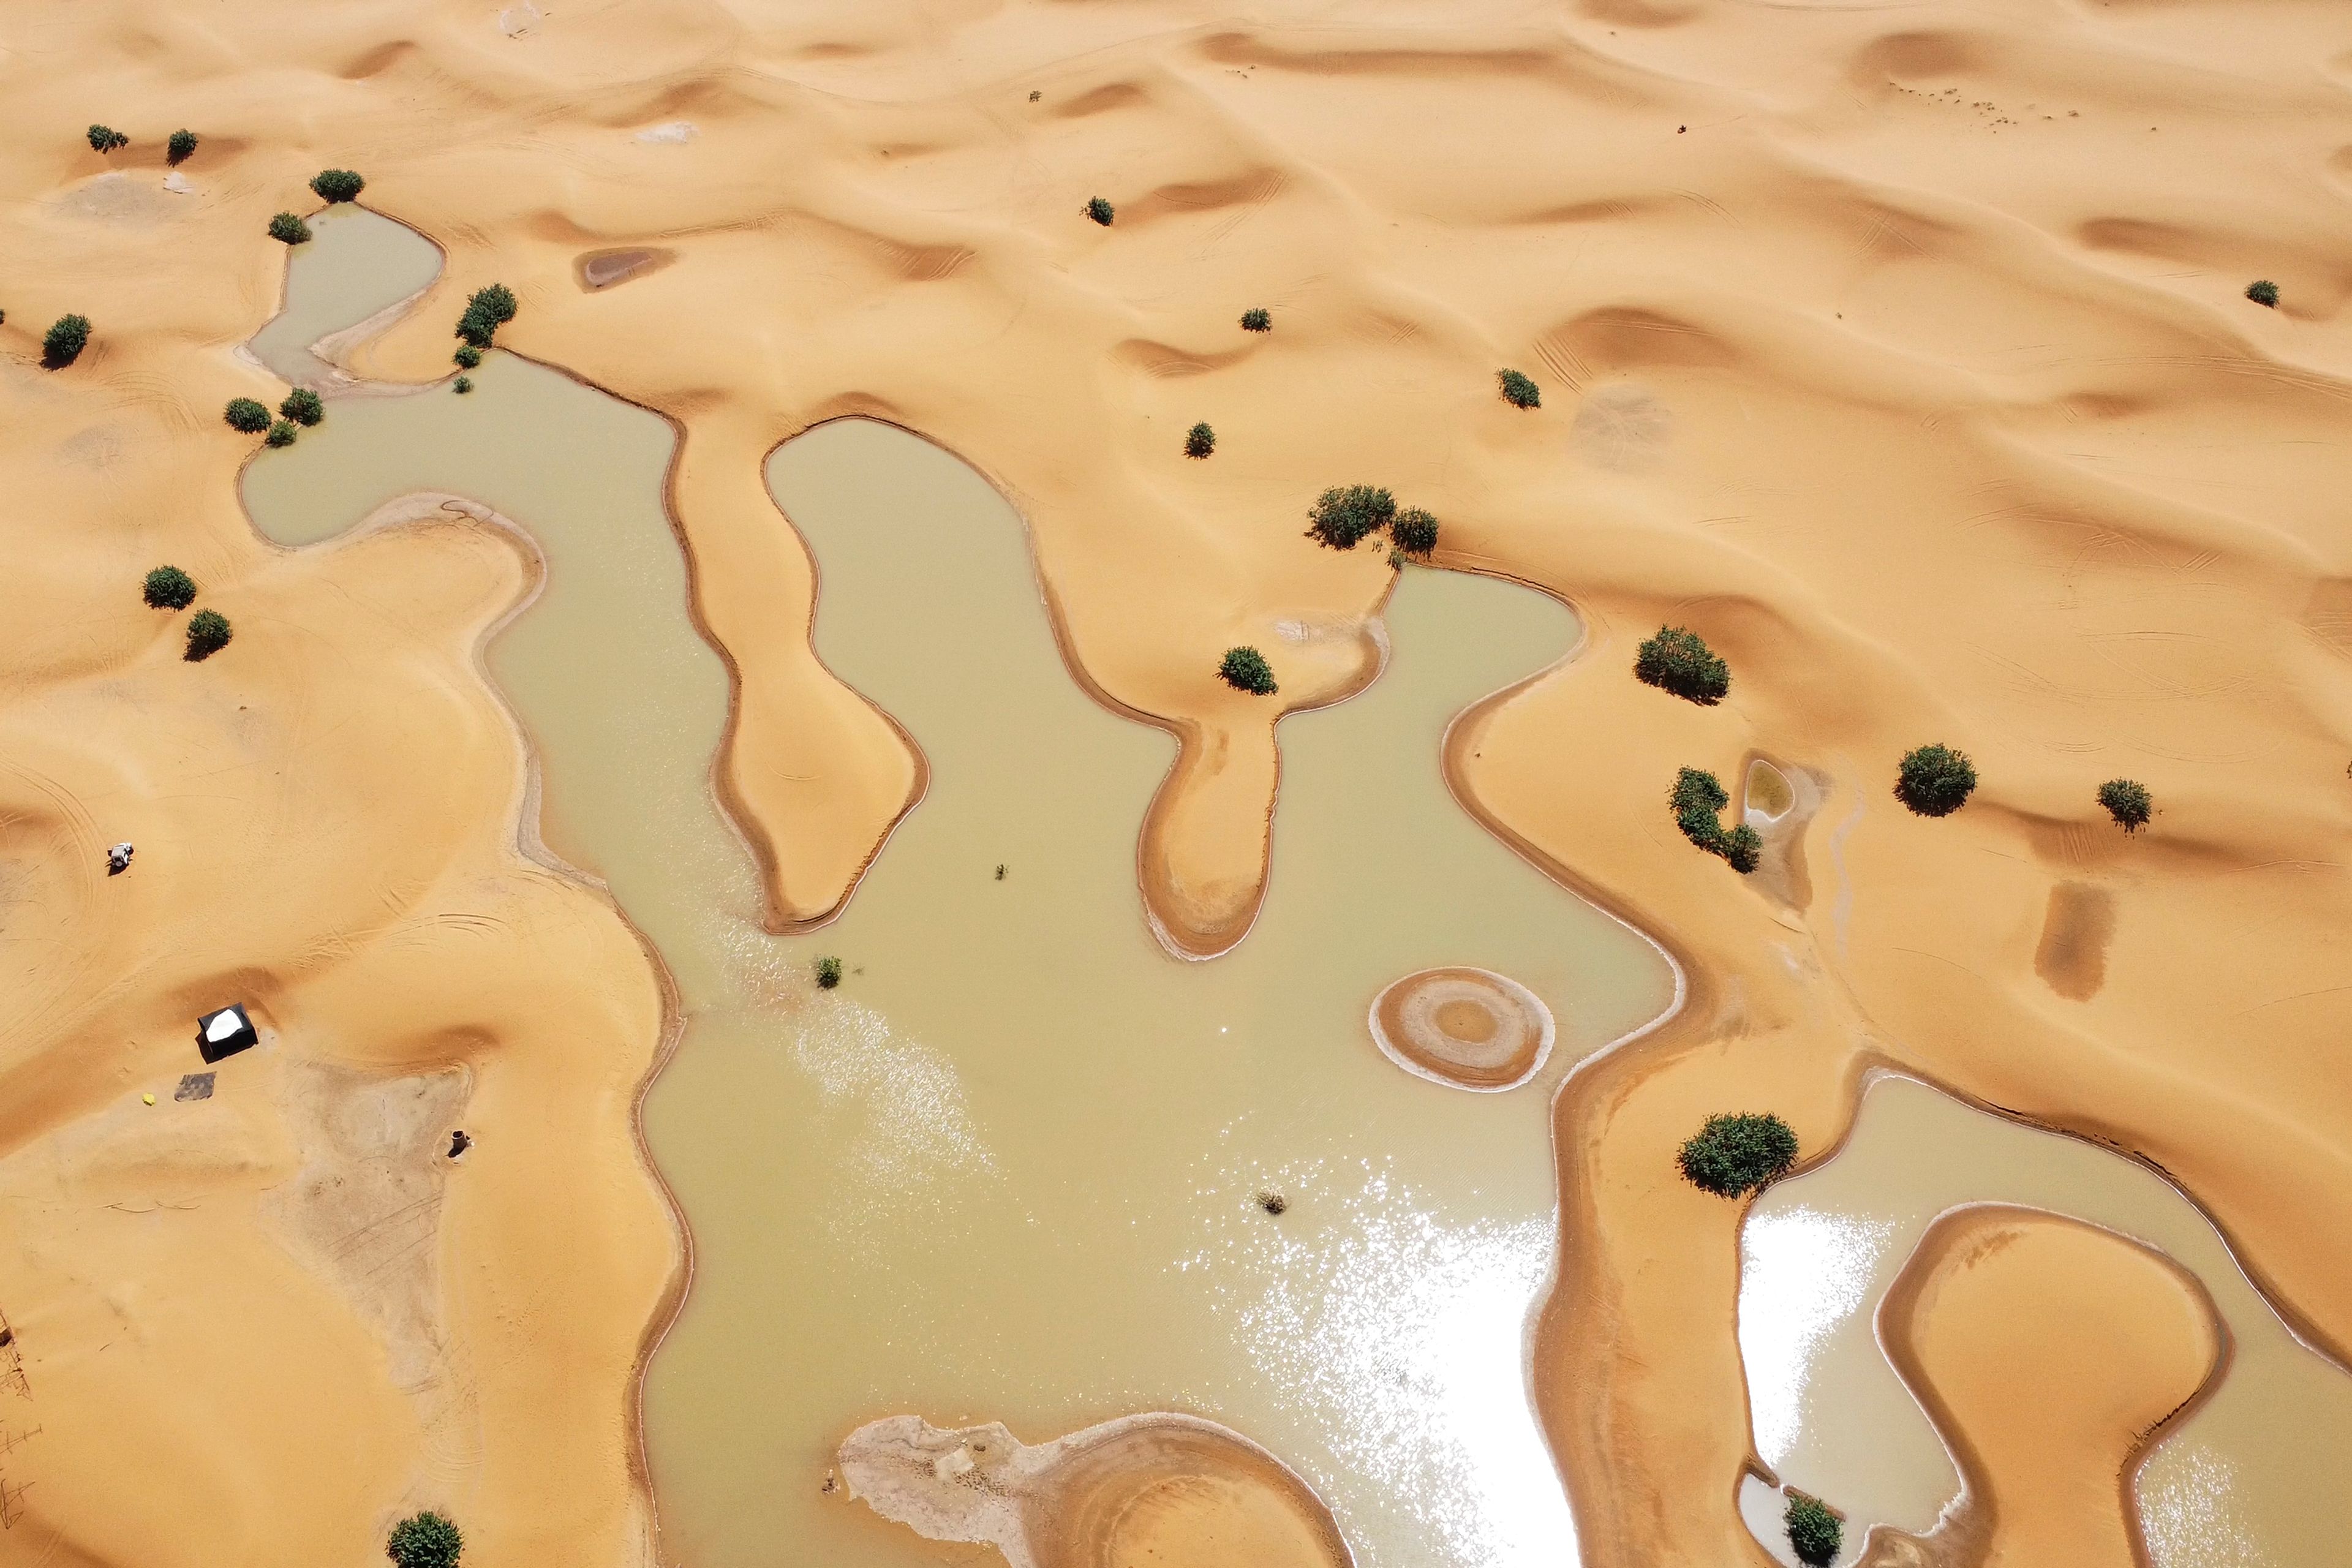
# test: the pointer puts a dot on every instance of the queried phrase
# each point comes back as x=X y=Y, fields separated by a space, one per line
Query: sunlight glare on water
x=1802 y=1272
x=2189 y=1510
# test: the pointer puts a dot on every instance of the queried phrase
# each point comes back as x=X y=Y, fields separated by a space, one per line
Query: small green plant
x=1678 y=660
x=425 y=1541
x=287 y=228
x=2129 y=802
x=208 y=633
x=244 y=415
x=467 y=356
x=1935 y=780
x=1732 y=1156
x=1199 y=440
x=490 y=309
x=1341 y=519
x=281 y=434
x=1246 y=670
x=462 y=385
x=828 y=972
x=1414 y=533
x=303 y=406
x=1518 y=391
x=1100 y=210
x=337 y=185
x=181 y=147
x=1698 y=799
x=2264 y=292
x=1814 y=1532
x=169 y=588
x=1257 y=319
x=106 y=139
x=64 y=342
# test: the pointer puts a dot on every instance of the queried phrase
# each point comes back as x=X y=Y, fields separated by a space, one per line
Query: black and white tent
x=225 y=1033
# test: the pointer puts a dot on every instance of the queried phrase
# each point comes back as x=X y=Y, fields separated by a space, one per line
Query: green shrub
x=1518 y=391
x=303 y=406
x=490 y=309
x=1678 y=660
x=1698 y=799
x=1100 y=211
x=1246 y=670
x=208 y=633
x=467 y=356
x=281 y=434
x=2264 y=292
x=462 y=385
x=287 y=228
x=1732 y=1156
x=1257 y=319
x=828 y=972
x=244 y=414
x=1814 y=1532
x=1199 y=440
x=64 y=342
x=169 y=588
x=1935 y=780
x=181 y=147
x=337 y=185
x=425 y=1541
x=1415 y=531
x=1341 y=519
x=2129 y=802
x=105 y=139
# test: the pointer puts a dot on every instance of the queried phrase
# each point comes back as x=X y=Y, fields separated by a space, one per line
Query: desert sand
x=1468 y=1027
x=1904 y=354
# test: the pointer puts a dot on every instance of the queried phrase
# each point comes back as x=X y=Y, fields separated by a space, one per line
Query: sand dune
x=1953 y=423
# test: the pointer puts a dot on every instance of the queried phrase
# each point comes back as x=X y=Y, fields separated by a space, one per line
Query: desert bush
x=169 y=588
x=462 y=385
x=1340 y=519
x=1199 y=440
x=1518 y=391
x=287 y=228
x=181 y=147
x=2129 y=802
x=208 y=633
x=1814 y=1532
x=1246 y=670
x=1257 y=319
x=1415 y=531
x=1100 y=210
x=1678 y=660
x=244 y=414
x=337 y=185
x=281 y=434
x=828 y=972
x=106 y=139
x=2264 y=292
x=303 y=406
x=425 y=1541
x=1732 y=1156
x=64 y=342
x=1698 y=799
x=1935 y=780
x=490 y=309
x=467 y=356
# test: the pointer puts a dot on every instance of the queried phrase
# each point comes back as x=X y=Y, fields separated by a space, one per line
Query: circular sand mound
x=1467 y=1028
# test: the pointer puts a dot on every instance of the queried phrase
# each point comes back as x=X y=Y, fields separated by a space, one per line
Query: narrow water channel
x=2255 y=1478
x=1010 y=1168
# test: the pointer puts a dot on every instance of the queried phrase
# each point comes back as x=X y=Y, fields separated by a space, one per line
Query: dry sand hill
x=1902 y=353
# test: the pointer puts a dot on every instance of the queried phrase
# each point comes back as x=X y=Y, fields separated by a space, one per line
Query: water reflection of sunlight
x=2188 y=1509
x=1399 y=1335
x=1802 y=1273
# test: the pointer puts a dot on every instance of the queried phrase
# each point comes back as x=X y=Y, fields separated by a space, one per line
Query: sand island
x=766 y=773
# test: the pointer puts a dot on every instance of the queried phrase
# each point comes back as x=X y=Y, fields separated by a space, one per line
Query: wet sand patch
x=596 y=269
x=1469 y=1028
x=2076 y=930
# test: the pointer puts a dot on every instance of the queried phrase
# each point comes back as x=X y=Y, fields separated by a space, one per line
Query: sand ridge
x=1922 y=385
